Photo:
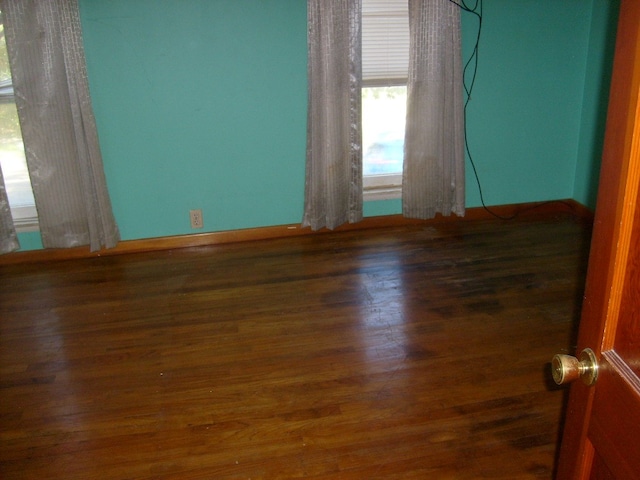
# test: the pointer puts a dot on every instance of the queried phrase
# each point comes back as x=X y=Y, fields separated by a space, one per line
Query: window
x=12 y=156
x=385 y=64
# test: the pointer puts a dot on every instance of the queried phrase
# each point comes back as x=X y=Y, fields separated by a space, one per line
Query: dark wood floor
x=404 y=353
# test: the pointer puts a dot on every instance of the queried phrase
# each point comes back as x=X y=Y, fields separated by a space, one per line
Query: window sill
x=27 y=227
x=382 y=193
x=382 y=187
x=25 y=219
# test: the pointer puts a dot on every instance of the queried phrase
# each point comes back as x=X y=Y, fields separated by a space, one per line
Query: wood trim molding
x=505 y=212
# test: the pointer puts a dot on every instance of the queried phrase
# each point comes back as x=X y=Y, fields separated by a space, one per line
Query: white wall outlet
x=196 y=218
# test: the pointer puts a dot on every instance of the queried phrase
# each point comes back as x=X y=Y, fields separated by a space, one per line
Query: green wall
x=202 y=104
x=524 y=119
x=595 y=99
x=199 y=104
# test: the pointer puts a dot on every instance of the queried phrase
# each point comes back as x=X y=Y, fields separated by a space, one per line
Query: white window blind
x=385 y=42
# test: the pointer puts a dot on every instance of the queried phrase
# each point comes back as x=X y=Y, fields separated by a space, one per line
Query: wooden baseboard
x=504 y=212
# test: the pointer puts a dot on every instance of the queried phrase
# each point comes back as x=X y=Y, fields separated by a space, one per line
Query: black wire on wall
x=472 y=63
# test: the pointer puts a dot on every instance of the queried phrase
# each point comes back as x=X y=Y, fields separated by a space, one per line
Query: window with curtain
x=46 y=54
x=12 y=155
x=385 y=65
x=432 y=171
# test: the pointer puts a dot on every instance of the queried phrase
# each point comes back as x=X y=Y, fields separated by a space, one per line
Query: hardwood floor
x=409 y=352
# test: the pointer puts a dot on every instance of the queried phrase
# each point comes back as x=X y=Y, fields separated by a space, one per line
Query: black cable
x=477 y=10
x=473 y=59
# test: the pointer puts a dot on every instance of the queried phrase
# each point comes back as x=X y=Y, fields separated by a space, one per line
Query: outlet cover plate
x=196 y=218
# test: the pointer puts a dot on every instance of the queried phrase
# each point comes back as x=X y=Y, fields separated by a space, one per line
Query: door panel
x=614 y=423
x=616 y=407
x=627 y=339
x=600 y=440
x=600 y=470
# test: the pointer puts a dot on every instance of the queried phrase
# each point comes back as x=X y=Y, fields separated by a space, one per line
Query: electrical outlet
x=196 y=218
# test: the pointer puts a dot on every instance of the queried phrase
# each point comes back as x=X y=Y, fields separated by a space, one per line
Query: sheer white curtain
x=433 y=176
x=433 y=173
x=44 y=43
x=333 y=187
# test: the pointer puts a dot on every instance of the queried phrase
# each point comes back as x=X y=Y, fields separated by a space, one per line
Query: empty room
x=325 y=239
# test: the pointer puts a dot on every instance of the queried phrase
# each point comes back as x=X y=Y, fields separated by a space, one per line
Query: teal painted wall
x=199 y=104
x=524 y=116
x=594 y=104
x=202 y=104
x=535 y=121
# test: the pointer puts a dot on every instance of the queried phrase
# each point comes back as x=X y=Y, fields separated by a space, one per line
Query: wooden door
x=601 y=439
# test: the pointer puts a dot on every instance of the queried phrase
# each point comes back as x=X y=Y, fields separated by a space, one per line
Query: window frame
x=384 y=186
x=25 y=218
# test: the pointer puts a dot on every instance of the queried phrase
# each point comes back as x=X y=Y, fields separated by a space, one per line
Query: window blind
x=385 y=42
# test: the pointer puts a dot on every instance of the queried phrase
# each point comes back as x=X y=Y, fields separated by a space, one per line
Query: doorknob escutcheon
x=566 y=368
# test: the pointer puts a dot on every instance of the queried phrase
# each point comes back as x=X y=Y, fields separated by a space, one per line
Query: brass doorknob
x=566 y=369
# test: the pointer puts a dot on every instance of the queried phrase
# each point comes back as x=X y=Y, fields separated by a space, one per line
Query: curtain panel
x=433 y=179
x=44 y=43
x=333 y=186
x=433 y=172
